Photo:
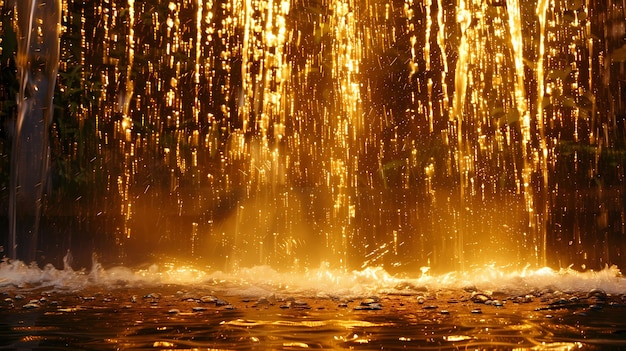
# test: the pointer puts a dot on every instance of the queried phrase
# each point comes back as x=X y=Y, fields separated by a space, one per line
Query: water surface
x=262 y=309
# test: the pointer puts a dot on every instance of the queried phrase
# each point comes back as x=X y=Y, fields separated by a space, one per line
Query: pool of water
x=85 y=311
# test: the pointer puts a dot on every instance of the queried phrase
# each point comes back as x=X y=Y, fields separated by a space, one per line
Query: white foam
x=323 y=281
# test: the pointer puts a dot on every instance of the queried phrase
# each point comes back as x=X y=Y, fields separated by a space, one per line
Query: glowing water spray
x=352 y=132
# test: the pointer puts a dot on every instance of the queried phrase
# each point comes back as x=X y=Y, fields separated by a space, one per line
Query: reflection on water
x=180 y=317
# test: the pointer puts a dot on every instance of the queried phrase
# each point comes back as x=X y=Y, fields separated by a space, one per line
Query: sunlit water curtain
x=351 y=133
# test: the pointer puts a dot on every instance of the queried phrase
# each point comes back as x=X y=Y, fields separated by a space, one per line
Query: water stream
x=37 y=60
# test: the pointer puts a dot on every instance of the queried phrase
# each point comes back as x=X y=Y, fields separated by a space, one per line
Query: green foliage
x=8 y=95
x=580 y=160
x=74 y=135
x=8 y=75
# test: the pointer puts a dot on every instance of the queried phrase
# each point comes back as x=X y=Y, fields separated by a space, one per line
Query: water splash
x=323 y=281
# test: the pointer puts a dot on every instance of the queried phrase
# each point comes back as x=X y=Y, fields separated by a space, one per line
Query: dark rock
x=208 y=299
x=597 y=293
x=596 y=307
x=371 y=307
x=480 y=298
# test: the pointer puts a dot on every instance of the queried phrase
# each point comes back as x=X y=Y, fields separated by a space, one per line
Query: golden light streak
x=515 y=28
x=441 y=36
x=198 y=44
x=409 y=13
x=464 y=18
x=520 y=99
x=429 y=24
x=539 y=69
x=128 y=92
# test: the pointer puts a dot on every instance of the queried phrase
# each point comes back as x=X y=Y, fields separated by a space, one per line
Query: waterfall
x=38 y=52
x=352 y=133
